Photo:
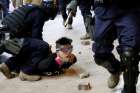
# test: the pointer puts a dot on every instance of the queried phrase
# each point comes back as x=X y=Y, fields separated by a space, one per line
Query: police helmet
x=50 y=6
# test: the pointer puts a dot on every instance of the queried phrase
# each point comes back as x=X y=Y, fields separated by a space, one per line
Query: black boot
x=112 y=65
x=126 y=90
x=131 y=72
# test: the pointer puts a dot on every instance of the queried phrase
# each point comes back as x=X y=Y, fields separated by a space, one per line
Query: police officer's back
x=28 y=20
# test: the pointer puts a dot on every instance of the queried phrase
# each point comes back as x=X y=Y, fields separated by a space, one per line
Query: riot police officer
x=85 y=7
x=118 y=19
x=25 y=26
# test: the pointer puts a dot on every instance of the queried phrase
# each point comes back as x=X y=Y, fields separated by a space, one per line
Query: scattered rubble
x=84 y=86
x=85 y=42
x=79 y=52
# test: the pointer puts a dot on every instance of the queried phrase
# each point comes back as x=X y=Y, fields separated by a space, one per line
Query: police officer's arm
x=37 y=20
x=72 y=6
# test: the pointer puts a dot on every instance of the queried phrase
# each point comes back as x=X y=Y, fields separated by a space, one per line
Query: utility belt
x=13 y=45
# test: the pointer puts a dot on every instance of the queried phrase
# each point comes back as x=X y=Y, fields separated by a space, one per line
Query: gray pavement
x=67 y=83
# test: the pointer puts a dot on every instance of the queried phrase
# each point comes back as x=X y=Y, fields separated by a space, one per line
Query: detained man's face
x=66 y=49
x=65 y=53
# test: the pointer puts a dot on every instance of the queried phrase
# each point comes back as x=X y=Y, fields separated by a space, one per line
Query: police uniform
x=33 y=50
x=33 y=47
x=118 y=20
x=26 y=21
x=5 y=4
x=85 y=7
x=62 y=6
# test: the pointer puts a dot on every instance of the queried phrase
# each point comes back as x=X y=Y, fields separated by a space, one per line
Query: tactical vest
x=15 y=20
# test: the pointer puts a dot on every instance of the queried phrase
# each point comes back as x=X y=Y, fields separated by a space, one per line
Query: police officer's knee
x=130 y=59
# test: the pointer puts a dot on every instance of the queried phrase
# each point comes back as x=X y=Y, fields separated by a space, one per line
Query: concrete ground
x=67 y=83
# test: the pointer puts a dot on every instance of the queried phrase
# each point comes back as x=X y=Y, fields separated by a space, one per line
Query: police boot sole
x=7 y=74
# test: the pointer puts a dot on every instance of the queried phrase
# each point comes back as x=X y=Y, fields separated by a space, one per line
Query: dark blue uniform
x=35 y=22
x=118 y=20
x=31 y=53
x=62 y=6
x=5 y=4
x=85 y=7
x=33 y=48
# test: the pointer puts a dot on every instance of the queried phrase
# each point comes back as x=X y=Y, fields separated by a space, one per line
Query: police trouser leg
x=63 y=13
x=88 y=24
x=131 y=72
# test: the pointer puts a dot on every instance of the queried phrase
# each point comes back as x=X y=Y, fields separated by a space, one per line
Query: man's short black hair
x=64 y=41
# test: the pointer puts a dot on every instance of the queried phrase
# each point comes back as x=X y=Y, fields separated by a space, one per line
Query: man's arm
x=37 y=20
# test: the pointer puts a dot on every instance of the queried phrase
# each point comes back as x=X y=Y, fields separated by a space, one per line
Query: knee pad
x=130 y=58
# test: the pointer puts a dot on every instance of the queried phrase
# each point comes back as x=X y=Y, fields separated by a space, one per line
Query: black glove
x=72 y=7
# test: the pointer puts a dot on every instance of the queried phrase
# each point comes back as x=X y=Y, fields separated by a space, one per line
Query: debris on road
x=79 y=52
x=84 y=86
x=85 y=42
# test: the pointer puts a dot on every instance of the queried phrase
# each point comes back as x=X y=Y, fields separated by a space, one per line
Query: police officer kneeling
x=25 y=26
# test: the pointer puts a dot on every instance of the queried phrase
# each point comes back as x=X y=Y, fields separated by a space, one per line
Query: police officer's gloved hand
x=72 y=7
